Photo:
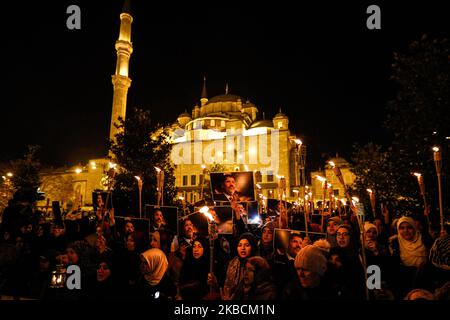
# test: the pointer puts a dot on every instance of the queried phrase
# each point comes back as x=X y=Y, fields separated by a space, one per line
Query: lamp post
x=437 y=156
x=139 y=180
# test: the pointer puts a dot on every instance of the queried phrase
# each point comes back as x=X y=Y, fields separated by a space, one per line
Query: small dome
x=280 y=115
x=184 y=115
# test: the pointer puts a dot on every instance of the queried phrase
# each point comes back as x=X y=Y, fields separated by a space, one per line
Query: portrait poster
x=238 y=186
x=141 y=229
x=162 y=217
x=282 y=238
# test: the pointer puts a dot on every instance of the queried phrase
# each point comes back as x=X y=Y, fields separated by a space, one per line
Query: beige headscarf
x=412 y=253
x=368 y=226
x=158 y=265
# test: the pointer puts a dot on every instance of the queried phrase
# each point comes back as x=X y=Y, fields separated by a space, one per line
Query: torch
x=331 y=195
x=338 y=174
x=260 y=198
x=139 y=180
x=324 y=186
x=159 y=186
x=359 y=214
x=281 y=193
x=372 y=200
x=203 y=182
x=422 y=193
x=212 y=232
x=438 y=164
x=304 y=214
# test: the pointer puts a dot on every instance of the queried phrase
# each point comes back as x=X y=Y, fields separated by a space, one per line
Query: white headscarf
x=412 y=252
x=157 y=263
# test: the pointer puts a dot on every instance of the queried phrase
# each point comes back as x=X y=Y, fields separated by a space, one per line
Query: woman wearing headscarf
x=332 y=224
x=409 y=253
x=346 y=272
x=246 y=248
x=194 y=272
x=128 y=265
x=257 y=284
x=375 y=252
x=105 y=286
x=155 y=282
x=266 y=242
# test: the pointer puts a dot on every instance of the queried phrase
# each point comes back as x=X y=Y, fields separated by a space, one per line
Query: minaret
x=204 y=98
x=120 y=79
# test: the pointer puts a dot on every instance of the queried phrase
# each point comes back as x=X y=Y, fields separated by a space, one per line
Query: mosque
x=226 y=129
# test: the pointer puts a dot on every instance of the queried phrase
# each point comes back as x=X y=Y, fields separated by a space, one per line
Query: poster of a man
x=232 y=186
x=162 y=218
x=287 y=243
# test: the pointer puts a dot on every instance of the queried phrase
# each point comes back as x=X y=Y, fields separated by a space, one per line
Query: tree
x=375 y=169
x=418 y=118
x=419 y=115
x=26 y=179
x=7 y=189
x=138 y=148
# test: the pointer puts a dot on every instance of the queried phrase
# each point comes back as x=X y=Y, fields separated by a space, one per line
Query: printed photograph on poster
x=99 y=199
x=273 y=207
x=238 y=186
x=162 y=217
x=223 y=217
x=287 y=243
x=199 y=224
x=133 y=229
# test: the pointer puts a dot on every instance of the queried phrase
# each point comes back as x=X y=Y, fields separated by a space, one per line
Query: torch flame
x=205 y=211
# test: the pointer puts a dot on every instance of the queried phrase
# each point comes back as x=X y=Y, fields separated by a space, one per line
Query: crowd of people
x=124 y=263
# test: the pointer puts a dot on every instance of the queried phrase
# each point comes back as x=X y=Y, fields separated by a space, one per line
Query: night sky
x=318 y=62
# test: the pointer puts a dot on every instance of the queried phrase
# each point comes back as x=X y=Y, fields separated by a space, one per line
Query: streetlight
x=437 y=156
x=139 y=180
x=78 y=170
x=9 y=174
